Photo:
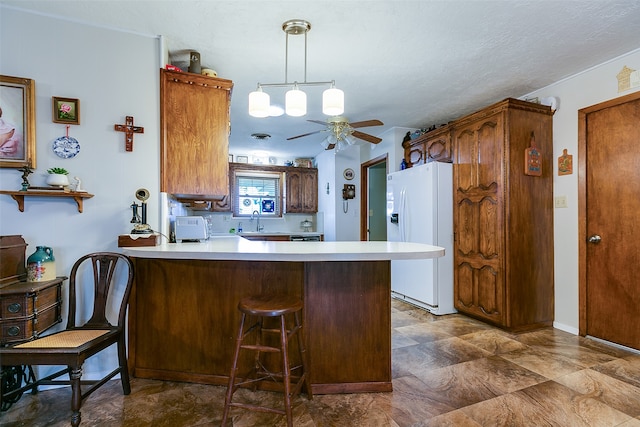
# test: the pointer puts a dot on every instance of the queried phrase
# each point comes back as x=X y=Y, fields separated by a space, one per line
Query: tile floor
x=447 y=371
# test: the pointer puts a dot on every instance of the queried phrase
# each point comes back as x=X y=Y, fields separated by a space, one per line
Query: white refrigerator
x=420 y=209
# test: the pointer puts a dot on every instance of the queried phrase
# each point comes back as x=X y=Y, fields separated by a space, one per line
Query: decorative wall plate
x=66 y=147
x=348 y=174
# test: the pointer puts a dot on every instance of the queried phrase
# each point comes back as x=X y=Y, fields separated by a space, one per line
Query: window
x=257 y=191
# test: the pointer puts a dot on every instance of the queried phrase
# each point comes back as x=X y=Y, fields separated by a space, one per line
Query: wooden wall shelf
x=19 y=196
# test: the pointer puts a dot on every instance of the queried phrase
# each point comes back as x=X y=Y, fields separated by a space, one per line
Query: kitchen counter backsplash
x=289 y=223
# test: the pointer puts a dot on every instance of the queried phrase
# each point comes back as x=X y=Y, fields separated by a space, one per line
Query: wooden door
x=478 y=223
x=609 y=228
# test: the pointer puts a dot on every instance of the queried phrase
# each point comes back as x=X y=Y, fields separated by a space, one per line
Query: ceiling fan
x=343 y=133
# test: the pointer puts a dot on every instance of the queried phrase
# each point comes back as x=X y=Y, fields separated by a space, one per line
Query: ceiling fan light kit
x=342 y=133
x=296 y=99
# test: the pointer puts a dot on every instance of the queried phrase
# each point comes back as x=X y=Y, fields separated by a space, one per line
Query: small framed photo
x=242 y=159
x=66 y=110
x=17 y=122
x=230 y=158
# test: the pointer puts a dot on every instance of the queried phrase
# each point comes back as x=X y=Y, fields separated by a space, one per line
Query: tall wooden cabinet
x=503 y=218
x=194 y=139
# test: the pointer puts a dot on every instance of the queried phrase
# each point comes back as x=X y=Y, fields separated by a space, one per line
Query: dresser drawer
x=28 y=309
x=24 y=329
x=14 y=306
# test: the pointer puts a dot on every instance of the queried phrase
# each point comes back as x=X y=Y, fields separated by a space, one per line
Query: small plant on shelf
x=58 y=177
x=58 y=171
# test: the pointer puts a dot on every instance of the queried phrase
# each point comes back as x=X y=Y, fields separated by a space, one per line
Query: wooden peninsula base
x=183 y=318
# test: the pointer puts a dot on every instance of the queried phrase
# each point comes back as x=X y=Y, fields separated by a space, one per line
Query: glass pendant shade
x=259 y=103
x=350 y=139
x=325 y=143
x=296 y=102
x=333 y=102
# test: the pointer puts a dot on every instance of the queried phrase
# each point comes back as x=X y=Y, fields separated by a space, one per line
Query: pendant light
x=259 y=103
x=295 y=102
x=296 y=99
x=333 y=101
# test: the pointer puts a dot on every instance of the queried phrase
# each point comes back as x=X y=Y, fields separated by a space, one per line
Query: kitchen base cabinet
x=183 y=319
x=503 y=217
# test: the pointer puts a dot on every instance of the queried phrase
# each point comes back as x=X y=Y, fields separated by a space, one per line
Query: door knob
x=595 y=239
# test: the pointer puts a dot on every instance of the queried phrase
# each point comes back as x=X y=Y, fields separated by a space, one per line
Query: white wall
x=590 y=87
x=338 y=224
x=113 y=74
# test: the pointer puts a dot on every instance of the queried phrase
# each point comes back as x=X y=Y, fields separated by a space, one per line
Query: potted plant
x=57 y=177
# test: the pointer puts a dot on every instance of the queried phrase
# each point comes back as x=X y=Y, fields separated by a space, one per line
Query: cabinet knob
x=13 y=331
x=595 y=239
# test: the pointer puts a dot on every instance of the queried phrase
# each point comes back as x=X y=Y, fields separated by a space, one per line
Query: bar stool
x=259 y=308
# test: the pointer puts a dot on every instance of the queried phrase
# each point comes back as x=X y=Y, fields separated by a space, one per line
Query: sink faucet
x=258 y=226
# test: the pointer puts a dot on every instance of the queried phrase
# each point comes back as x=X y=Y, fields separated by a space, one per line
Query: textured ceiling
x=408 y=63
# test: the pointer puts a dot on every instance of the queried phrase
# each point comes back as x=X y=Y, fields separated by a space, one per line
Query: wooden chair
x=72 y=346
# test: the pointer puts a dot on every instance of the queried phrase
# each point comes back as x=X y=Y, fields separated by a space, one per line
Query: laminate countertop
x=236 y=248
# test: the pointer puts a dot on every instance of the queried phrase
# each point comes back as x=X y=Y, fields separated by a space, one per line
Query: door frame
x=364 y=189
x=582 y=201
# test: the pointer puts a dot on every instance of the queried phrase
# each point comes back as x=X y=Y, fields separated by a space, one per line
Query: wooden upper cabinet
x=194 y=140
x=302 y=190
x=503 y=218
x=433 y=145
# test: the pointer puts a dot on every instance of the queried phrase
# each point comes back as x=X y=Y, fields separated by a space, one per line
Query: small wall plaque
x=532 y=159
x=624 y=78
x=565 y=163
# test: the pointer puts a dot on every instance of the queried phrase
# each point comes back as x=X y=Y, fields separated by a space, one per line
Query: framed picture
x=17 y=122
x=66 y=110
x=230 y=158
x=242 y=159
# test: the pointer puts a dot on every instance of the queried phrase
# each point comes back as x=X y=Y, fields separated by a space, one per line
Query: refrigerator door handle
x=403 y=211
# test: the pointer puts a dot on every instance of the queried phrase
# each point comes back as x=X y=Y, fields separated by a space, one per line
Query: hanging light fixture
x=296 y=99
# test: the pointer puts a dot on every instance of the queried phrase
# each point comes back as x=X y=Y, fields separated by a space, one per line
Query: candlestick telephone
x=140 y=223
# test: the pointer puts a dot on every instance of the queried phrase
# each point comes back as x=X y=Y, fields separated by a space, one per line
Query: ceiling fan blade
x=305 y=134
x=366 y=137
x=330 y=147
x=366 y=123
x=320 y=122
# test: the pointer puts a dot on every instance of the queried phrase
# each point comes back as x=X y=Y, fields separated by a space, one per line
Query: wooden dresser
x=27 y=309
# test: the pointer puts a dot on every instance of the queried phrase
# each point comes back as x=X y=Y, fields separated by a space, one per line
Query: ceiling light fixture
x=296 y=99
x=340 y=134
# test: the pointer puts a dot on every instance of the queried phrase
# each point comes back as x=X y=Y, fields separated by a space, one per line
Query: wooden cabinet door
x=434 y=145
x=302 y=191
x=478 y=262
x=294 y=192
x=310 y=191
x=194 y=143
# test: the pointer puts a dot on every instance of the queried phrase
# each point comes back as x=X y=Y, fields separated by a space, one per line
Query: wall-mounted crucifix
x=129 y=129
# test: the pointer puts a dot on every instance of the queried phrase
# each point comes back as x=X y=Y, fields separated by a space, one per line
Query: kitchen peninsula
x=183 y=314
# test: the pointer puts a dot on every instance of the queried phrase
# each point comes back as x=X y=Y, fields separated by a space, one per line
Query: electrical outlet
x=560 y=202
